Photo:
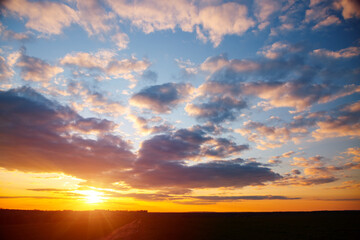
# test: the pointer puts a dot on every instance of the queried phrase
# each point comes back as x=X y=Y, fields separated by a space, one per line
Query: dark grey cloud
x=48 y=189
x=161 y=98
x=149 y=75
x=193 y=199
x=223 y=147
x=41 y=135
x=230 y=173
x=186 y=144
x=217 y=109
x=183 y=144
x=236 y=198
x=32 y=197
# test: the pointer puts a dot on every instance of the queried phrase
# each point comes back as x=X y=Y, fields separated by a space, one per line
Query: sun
x=92 y=196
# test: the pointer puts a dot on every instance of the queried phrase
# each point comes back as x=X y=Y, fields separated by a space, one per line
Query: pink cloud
x=45 y=17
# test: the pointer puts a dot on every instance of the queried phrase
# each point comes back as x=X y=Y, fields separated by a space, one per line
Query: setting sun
x=92 y=196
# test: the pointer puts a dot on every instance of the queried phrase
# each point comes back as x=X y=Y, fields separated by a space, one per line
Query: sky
x=183 y=105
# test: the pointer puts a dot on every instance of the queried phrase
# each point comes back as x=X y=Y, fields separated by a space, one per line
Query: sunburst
x=93 y=197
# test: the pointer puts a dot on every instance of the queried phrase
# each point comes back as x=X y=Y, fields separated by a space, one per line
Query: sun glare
x=93 y=197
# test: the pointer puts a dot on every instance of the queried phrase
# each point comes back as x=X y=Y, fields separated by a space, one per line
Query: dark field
x=18 y=224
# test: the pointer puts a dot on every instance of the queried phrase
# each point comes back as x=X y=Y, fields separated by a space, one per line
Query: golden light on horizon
x=92 y=196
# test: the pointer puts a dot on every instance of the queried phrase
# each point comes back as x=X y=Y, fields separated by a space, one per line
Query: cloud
x=45 y=17
x=47 y=189
x=121 y=40
x=354 y=153
x=204 y=199
x=224 y=19
x=37 y=70
x=6 y=72
x=215 y=63
x=278 y=49
x=42 y=136
x=11 y=35
x=231 y=173
x=188 y=68
x=350 y=8
x=277 y=159
x=343 y=53
x=183 y=144
x=295 y=94
x=217 y=109
x=105 y=62
x=222 y=148
x=186 y=144
x=161 y=98
x=93 y=17
x=94 y=101
x=264 y=9
x=304 y=181
x=340 y=124
x=126 y=66
x=330 y=20
x=272 y=136
x=316 y=171
x=215 y=20
x=236 y=198
x=150 y=15
x=348 y=185
x=146 y=126
x=98 y=60
x=149 y=76
x=32 y=197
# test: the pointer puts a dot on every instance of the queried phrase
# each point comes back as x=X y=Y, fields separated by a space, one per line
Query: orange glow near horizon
x=64 y=192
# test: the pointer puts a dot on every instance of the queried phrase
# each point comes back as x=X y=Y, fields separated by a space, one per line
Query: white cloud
x=215 y=21
x=121 y=40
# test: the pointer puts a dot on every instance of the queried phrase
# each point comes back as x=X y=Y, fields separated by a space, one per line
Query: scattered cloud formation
x=105 y=62
x=344 y=123
x=35 y=69
x=94 y=101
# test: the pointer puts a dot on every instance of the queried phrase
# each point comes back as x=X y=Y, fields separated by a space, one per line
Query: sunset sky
x=182 y=105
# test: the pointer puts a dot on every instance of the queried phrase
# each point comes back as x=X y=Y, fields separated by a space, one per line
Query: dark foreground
x=111 y=225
